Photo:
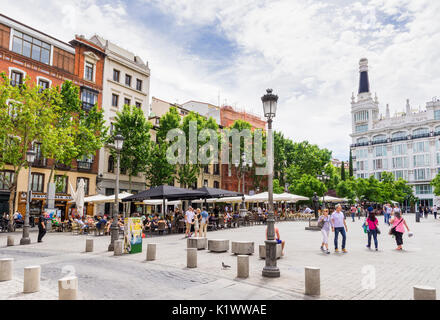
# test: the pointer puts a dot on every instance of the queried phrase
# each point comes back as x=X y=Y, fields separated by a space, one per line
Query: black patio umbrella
x=218 y=193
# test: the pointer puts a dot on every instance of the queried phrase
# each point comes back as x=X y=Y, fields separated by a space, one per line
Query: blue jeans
x=352 y=216
x=344 y=237
x=387 y=218
x=374 y=234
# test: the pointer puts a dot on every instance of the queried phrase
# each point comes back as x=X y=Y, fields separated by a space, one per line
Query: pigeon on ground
x=225 y=266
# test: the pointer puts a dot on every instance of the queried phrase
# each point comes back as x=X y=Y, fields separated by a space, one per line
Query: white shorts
x=325 y=236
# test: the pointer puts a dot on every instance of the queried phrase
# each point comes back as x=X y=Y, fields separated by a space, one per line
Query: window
x=63 y=60
x=61 y=183
x=421 y=160
x=362 y=165
x=216 y=185
x=85 y=163
x=205 y=183
x=423 y=189
x=127 y=102
x=378 y=175
x=399 y=149
x=138 y=105
x=380 y=164
x=438 y=158
x=6 y=177
x=379 y=138
x=400 y=163
x=116 y=75
x=437 y=114
x=138 y=85
x=31 y=47
x=380 y=151
x=361 y=116
x=128 y=80
x=361 y=128
x=361 y=154
x=422 y=132
x=37 y=182
x=216 y=169
x=43 y=84
x=86 y=185
x=421 y=174
x=421 y=147
x=111 y=164
x=89 y=98
x=206 y=169
x=112 y=128
x=115 y=100
x=89 y=68
x=16 y=78
x=362 y=140
x=401 y=174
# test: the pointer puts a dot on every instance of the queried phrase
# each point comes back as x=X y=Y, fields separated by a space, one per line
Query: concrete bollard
x=89 y=245
x=11 y=241
x=118 y=248
x=191 y=257
x=151 y=251
x=313 y=281
x=243 y=266
x=424 y=293
x=6 y=265
x=31 y=279
x=68 y=288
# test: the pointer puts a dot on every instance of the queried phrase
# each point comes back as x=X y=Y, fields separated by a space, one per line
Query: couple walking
x=337 y=223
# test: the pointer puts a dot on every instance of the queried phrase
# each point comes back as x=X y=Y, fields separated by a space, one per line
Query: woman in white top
x=196 y=223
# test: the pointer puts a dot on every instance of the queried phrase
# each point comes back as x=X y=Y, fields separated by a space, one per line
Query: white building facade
x=406 y=144
x=126 y=81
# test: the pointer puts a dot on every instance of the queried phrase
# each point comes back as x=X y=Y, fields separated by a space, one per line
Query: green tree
x=307 y=185
x=135 y=129
x=343 y=171
x=159 y=171
x=276 y=187
x=26 y=115
x=436 y=184
x=345 y=189
x=350 y=165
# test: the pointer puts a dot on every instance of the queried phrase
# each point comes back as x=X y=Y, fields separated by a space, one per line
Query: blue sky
x=307 y=51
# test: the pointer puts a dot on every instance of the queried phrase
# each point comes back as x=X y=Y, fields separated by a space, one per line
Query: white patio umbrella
x=78 y=196
x=334 y=200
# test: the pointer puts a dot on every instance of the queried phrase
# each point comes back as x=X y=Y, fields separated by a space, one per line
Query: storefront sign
x=44 y=196
x=133 y=235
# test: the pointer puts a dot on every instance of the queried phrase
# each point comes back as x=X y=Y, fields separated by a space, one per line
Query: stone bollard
x=68 y=288
x=11 y=241
x=31 y=279
x=89 y=245
x=191 y=257
x=151 y=251
x=424 y=293
x=313 y=281
x=243 y=266
x=118 y=248
x=6 y=269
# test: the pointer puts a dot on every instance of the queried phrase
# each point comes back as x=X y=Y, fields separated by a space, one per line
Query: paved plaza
x=103 y=276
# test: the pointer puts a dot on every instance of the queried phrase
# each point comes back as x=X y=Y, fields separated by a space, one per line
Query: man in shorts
x=189 y=216
x=278 y=239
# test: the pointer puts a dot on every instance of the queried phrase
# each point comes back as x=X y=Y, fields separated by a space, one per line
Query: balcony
x=399 y=139
x=422 y=135
x=39 y=162
x=380 y=141
x=84 y=165
x=61 y=166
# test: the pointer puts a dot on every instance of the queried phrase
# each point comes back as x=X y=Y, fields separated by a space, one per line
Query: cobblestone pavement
x=103 y=276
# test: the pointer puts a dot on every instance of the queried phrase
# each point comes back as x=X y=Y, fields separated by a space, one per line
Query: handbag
x=393 y=229
x=378 y=230
x=365 y=227
x=321 y=223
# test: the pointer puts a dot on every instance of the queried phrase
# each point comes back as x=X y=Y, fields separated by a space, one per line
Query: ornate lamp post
x=323 y=178
x=119 y=143
x=270 y=269
x=25 y=239
x=244 y=167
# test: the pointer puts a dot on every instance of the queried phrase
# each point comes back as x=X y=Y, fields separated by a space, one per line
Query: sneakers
x=328 y=252
x=368 y=246
x=336 y=250
x=344 y=250
x=377 y=249
x=322 y=248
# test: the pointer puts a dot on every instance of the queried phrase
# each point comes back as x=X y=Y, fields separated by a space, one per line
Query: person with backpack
x=398 y=229
x=324 y=224
x=372 y=229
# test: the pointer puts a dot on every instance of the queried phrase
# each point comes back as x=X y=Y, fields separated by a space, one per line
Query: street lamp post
x=323 y=178
x=270 y=269
x=25 y=239
x=119 y=142
x=244 y=167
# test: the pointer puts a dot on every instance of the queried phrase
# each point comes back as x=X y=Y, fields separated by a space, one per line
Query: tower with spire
x=364 y=109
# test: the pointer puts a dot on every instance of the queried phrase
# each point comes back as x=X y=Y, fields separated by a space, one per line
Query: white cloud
x=307 y=51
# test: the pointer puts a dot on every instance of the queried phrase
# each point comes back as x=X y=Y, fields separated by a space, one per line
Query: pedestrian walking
x=434 y=211
x=359 y=212
x=196 y=223
x=398 y=223
x=189 y=216
x=324 y=224
x=373 y=229
x=339 y=227
x=387 y=213
x=396 y=209
x=41 y=226
x=204 y=223
x=353 y=212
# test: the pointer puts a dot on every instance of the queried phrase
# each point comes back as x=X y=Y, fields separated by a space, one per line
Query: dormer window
x=31 y=47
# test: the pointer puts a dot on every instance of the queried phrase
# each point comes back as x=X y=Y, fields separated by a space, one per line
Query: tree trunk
x=49 y=182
